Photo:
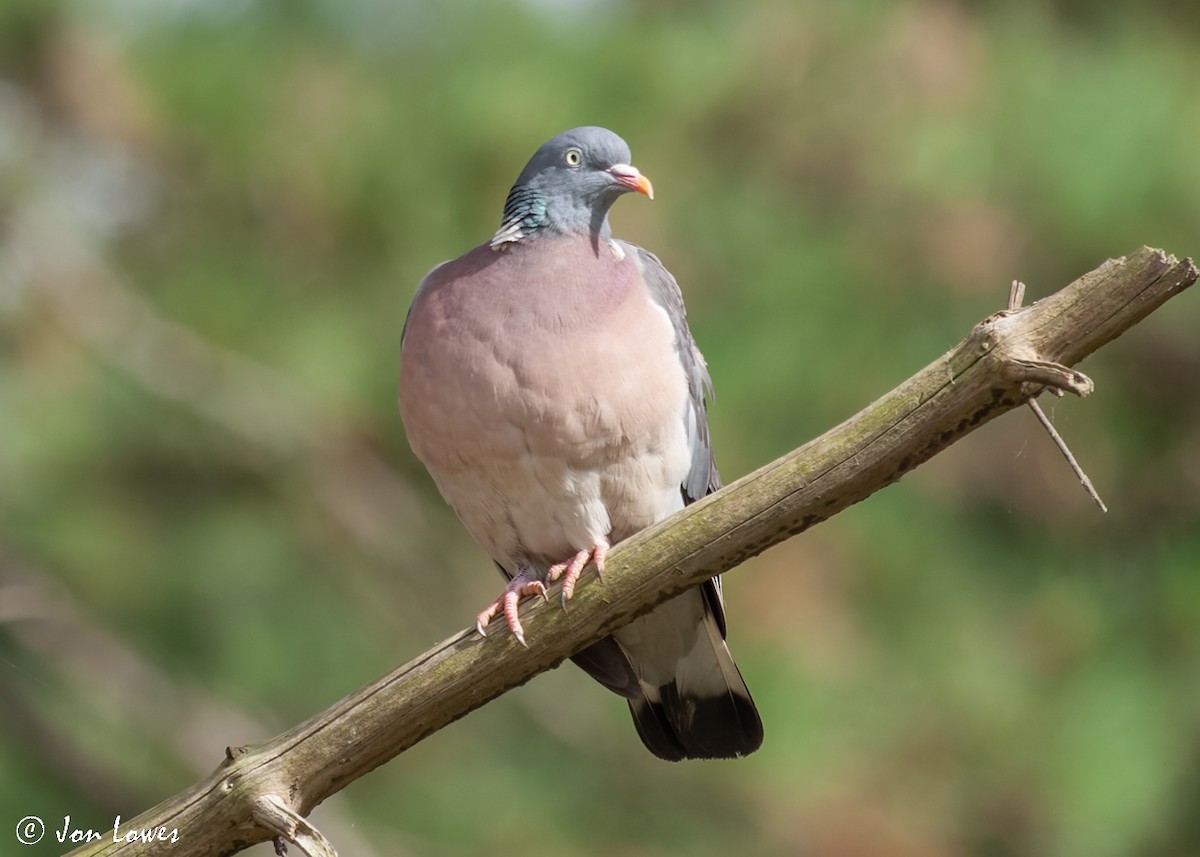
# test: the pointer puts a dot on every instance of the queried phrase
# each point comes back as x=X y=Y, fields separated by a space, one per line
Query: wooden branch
x=261 y=792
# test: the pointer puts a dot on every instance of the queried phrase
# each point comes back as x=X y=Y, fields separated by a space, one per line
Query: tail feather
x=685 y=693
x=655 y=730
x=697 y=728
x=693 y=703
x=684 y=718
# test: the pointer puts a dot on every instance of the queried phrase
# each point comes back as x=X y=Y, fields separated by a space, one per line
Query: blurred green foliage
x=212 y=218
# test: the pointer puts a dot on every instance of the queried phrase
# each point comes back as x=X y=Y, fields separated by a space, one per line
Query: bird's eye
x=573 y=157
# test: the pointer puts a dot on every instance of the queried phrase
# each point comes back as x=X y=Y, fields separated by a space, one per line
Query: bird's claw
x=519 y=587
x=599 y=554
x=524 y=584
x=570 y=570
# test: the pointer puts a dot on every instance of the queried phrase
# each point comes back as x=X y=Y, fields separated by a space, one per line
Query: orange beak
x=628 y=176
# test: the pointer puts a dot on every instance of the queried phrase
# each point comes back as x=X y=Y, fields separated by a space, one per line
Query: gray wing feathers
x=703 y=478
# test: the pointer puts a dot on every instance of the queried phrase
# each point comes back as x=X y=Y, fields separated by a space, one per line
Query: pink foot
x=570 y=570
x=520 y=586
x=526 y=584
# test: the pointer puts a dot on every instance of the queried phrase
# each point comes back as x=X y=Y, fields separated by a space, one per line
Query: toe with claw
x=527 y=583
x=524 y=584
x=570 y=570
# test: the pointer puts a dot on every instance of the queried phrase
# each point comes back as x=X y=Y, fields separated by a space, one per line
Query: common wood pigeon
x=551 y=386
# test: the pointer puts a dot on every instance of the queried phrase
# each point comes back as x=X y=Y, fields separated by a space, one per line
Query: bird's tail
x=696 y=705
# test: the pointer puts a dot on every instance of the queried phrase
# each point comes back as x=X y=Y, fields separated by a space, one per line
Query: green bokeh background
x=212 y=218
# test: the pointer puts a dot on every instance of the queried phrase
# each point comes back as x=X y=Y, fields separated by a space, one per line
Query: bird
x=552 y=388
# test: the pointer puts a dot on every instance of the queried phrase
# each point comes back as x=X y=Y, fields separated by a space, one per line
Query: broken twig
x=1016 y=296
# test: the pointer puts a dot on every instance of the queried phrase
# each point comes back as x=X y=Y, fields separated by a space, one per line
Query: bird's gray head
x=569 y=185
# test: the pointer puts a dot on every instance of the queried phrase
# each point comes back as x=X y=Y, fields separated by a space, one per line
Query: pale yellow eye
x=573 y=157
